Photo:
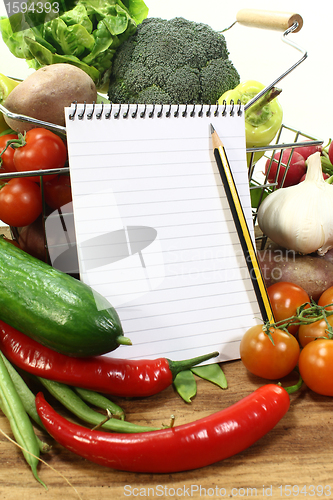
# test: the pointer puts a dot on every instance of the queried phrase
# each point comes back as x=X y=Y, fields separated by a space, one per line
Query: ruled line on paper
x=180 y=287
x=185 y=226
x=166 y=333
x=213 y=288
x=86 y=211
x=167 y=193
x=147 y=210
x=118 y=278
x=233 y=265
x=150 y=172
x=194 y=240
x=183 y=145
x=179 y=181
x=178 y=305
x=201 y=216
x=123 y=300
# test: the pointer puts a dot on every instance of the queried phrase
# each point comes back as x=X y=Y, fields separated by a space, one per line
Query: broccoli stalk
x=171 y=61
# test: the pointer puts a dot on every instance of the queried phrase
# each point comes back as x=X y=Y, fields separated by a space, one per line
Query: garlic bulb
x=300 y=217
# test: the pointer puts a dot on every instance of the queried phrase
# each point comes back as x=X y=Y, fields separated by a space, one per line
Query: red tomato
x=316 y=366
x=266 y=360
x=7 y=157
x=326 y=299
x=43 y=150
x=285 y=298
x=312 y=331
x=58 y=191
x=296 y=169
x=20 y=202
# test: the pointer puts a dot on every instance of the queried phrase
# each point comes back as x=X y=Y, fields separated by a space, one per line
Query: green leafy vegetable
x=86 y=35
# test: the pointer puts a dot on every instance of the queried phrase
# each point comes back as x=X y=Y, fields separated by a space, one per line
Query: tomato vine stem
x=14 y=143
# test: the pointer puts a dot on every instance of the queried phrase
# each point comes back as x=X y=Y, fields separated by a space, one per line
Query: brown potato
x=312 y=272
x=46 y=92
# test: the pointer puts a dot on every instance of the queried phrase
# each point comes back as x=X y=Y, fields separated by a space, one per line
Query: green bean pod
x=19 y=420
x=213 y=373
x=100 y=401
x=70 y=400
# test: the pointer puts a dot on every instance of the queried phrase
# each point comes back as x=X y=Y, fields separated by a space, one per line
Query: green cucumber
x=54 y=308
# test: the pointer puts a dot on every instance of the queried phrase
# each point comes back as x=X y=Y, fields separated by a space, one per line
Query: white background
x=259 y=54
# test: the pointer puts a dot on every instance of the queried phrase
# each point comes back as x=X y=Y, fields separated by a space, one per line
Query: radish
x=295 y=171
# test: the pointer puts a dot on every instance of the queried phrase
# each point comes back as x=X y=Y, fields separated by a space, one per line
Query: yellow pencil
x=242 y=228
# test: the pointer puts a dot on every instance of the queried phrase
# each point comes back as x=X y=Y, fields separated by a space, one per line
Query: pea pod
x=213 y=373
x=100 y=401
x=21 y=426
x=185 y=385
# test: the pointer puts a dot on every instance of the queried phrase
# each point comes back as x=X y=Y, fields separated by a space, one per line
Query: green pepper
x=263 y=119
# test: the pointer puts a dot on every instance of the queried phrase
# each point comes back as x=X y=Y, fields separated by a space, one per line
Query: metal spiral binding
x=158 y=110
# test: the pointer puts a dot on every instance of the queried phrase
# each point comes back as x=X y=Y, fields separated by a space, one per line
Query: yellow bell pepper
x=263 y=119
x=6 y=86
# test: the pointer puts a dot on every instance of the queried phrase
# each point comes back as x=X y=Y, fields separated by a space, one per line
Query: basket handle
x=271 y=20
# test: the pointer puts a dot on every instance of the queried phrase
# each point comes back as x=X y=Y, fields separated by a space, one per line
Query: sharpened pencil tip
x=212 y=129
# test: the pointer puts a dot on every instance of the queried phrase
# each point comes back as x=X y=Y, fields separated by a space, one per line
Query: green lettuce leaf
x=78 y=15
x=69 y=40
x=44 y=57
x=15 y=41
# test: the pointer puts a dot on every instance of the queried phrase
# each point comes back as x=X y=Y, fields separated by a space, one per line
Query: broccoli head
x=172 y=61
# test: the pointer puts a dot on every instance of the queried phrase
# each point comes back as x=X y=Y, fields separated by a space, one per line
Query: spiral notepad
x=154 y=231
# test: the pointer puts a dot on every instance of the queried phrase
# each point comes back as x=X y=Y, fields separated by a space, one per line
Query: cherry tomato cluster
x=38 y=149
x=274 y=353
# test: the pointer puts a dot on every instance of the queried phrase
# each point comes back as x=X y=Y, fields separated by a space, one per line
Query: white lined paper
x=155 y=233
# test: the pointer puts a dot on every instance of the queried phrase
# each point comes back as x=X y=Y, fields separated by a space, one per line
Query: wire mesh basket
x=287 y=137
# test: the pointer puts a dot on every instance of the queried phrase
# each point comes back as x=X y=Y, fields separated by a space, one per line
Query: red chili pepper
x=184 y=447
x=118 y=377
